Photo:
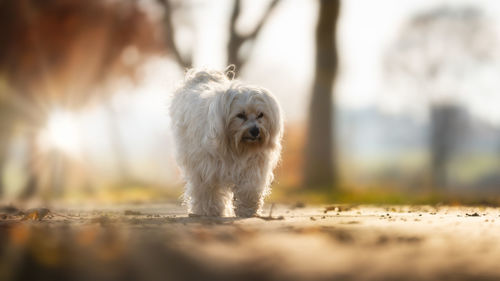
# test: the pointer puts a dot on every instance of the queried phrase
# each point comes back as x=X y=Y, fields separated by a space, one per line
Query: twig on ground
x=270 y=216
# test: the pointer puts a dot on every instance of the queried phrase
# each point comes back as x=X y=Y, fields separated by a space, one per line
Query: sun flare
x=61 y=133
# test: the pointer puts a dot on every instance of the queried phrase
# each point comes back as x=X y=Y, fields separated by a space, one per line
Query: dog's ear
x=218 y=114
x=276 y=122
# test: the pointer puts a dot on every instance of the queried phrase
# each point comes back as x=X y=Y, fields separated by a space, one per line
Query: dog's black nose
x=254 y=132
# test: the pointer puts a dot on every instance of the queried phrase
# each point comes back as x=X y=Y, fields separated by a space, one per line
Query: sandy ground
x=160 y=242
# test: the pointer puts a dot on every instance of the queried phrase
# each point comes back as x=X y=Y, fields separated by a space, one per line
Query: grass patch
x=379 y=196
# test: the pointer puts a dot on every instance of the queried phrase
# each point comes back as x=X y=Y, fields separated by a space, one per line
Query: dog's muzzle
x=252 y=135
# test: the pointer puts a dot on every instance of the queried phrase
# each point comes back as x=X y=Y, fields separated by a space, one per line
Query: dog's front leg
x=249 y=197
x=206 y=199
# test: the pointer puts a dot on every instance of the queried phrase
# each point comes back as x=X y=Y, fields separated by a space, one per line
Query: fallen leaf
x=337 y=208
x=473 y=215
x=35 y=214
x=329 y=208
x=132 y=213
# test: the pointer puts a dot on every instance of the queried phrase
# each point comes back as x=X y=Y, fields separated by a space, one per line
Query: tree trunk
x=319 y=169
x=6 y=131
x=117 y=145
x=32 y=185
x=443 y=139
x=3 y=160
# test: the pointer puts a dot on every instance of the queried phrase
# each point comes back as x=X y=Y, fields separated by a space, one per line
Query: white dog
x=228 y=140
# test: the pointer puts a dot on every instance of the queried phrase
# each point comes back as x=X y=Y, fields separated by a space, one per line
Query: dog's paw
x=246 y=212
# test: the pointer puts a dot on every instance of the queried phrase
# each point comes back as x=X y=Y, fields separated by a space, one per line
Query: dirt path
x=159 y=242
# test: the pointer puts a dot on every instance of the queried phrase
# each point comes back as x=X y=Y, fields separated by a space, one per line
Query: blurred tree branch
x=235 y=42
x=183 y=61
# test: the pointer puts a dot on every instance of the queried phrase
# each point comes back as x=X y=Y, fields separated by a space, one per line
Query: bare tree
x=435 y=53
x=319 y=169
x=235 y=42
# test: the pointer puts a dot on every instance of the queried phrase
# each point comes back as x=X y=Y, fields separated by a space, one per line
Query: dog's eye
x=241 y=116
x=260 y=115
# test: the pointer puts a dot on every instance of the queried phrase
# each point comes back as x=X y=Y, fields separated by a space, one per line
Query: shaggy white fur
x=228 y=140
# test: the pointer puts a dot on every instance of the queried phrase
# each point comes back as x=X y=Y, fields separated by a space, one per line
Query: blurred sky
x=282 y=61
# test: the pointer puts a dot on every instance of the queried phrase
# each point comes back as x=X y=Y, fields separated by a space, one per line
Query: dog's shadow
x=207 y=220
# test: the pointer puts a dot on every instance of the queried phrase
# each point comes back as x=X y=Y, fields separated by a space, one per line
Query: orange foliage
x=59 y=50
x=289 y=172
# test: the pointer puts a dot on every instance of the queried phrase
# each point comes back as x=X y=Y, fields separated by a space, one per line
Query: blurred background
x=385 y=101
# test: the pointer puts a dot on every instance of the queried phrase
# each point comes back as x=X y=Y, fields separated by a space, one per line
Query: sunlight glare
x=61 y=132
